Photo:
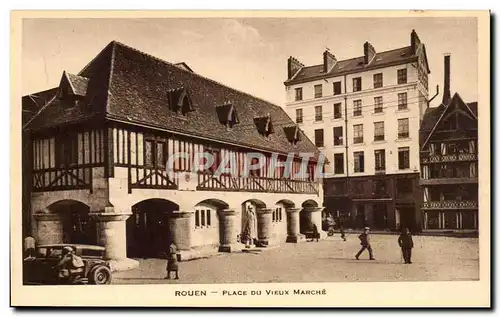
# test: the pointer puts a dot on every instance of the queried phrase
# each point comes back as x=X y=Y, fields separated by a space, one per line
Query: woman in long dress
x=249 y=227
x=172 y=263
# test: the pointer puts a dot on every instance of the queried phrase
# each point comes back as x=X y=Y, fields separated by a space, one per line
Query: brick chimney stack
x=293 y=66
x=369 y=52
x=446 y=90
x=329 y=61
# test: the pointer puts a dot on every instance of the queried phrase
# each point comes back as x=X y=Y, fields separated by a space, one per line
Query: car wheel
x=100 y=275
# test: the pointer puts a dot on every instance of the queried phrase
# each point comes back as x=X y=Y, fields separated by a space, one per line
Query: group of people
x=405 y=242
x=405 y=239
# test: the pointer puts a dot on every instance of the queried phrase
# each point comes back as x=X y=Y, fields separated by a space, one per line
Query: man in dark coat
x=405 y=241
x=365 y=244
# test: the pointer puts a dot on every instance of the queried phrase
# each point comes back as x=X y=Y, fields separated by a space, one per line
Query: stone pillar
x=227 y=230
x=112 y=235
x=293 y=225
x=181 y=226
x=264 y=225
x=49 y=228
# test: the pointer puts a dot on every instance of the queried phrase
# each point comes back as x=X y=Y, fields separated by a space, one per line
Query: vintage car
x=40 y=268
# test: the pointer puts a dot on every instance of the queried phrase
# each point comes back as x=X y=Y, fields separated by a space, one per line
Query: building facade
x=117 y=155
x=449 y=159
x=364 y=114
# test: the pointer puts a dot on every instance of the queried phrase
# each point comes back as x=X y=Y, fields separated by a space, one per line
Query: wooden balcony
x=54 y=179
x=450 y=204
x=207 y=181
x=448 y=181
x=461 y=157
x=151 y=178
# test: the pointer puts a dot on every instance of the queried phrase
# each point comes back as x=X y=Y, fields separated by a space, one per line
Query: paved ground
x=330 y=260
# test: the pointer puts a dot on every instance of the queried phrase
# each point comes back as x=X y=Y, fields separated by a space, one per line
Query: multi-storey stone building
x=449 y=159
x=364 y=114
x=98 y=170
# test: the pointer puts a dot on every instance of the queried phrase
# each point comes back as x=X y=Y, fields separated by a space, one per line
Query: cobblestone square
x=329 y=260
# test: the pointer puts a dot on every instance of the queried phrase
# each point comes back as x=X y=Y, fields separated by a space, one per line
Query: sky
x=247 y=54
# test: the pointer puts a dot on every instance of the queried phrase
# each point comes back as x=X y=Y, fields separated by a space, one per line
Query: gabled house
x=449 y=163
x=113 y=158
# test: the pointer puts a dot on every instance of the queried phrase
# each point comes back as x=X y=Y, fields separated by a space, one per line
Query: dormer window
x=292 y=133
x=179 y=101
x=227 y=115
x=264 y=125
x=72 y=88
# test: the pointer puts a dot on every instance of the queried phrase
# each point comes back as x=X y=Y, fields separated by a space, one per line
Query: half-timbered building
x=99 y=165
x=449 y=159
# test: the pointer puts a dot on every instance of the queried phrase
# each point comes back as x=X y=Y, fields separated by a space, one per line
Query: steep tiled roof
x=353 y=65
x=432 y=115
x=32 y=104
x=130 y=86
x=473 y=107
x=78 y=83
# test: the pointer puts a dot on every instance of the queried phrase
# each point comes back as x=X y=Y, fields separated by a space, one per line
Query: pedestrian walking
x=365 y=244
x=405 y=242
x=172 y=261
x=340 y=223
x=315 y=233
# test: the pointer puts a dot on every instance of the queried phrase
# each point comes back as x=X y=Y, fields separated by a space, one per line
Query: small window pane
x=197 y=218
x=202 y=217
x=148 y=153
x=160 y=155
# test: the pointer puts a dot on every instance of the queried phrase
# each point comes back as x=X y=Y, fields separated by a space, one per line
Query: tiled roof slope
x=128 y=85
x=432 y=115
x=93 y=104
x=382 y=59
x=79 y=83
x=32 y=104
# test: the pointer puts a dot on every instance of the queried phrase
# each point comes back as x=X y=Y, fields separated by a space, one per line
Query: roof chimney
x=293 y=66
x=446 y=90
x=329 y=61
x=369 y=52
x=414 y=42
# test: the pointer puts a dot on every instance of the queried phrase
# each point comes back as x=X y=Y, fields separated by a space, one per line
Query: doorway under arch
x=280 y=220
x=249 y=225
x=148 y=233
x=306 y=223
x=77 y=226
